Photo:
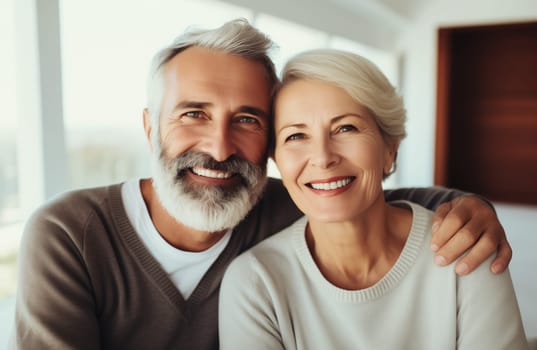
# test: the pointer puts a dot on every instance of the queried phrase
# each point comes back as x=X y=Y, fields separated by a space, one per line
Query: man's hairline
x=158 y=75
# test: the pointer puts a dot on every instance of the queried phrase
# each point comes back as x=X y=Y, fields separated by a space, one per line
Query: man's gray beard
x=208 y=208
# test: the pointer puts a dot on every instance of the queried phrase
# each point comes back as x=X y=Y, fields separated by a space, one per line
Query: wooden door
x=487 y=111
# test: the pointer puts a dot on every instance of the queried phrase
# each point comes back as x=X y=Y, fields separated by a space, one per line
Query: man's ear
x=148 y=127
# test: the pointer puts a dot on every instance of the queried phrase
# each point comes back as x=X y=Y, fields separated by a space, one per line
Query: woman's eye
x=294 y=137
x=346 y=128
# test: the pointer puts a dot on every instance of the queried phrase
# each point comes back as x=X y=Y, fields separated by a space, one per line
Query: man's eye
x=193 y=114
x=247 y=120
x=294 y=137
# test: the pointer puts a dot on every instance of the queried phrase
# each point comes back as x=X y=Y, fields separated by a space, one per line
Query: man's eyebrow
x=253 y=110
x=191 y=104
x=200 y=105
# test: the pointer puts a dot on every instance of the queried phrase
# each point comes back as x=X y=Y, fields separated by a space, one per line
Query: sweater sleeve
x=246 y=315
x=430 y=197
x=488 y=316
x=55 y=308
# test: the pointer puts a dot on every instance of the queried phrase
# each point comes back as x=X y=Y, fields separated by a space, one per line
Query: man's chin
x=206 y=203
x=210 y=196
x=208 y=214
x=194 y=181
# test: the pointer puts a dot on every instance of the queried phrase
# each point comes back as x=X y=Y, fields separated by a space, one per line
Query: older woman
x=355 y=272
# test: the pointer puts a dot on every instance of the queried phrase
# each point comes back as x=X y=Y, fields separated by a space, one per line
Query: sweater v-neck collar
x=209 y=283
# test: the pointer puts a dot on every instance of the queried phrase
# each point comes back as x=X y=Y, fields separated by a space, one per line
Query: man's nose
x=219 y=143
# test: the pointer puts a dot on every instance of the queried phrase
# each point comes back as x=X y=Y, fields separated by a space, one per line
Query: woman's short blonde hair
x=360 y=78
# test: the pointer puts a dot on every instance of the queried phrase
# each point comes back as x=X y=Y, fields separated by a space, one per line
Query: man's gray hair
x=235 y=37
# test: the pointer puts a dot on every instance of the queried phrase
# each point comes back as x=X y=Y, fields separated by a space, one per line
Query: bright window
x=10 y=217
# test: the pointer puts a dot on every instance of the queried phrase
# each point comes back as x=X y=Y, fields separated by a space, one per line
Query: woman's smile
x=331 y=186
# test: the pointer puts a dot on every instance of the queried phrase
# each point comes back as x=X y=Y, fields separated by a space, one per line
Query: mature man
x=138 y=265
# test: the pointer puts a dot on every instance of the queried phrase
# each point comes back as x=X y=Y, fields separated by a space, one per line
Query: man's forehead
x=201 y=74
x=196 y=58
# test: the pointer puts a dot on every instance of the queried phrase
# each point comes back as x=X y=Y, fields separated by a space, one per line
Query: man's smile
x=215 y=174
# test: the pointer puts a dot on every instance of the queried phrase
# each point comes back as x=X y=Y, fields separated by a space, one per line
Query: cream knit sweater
x=274 y=297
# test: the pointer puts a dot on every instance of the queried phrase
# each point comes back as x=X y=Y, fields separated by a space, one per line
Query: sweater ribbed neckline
x=419 y=228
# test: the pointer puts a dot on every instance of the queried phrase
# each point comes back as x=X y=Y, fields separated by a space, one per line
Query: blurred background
x=72 y=88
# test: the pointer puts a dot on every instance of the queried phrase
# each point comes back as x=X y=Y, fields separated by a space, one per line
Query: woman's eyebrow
x=297 y=125
x=339 y=117
x=333 y=120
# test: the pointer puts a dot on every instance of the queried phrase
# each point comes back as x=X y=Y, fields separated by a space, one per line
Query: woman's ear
x=390 y=162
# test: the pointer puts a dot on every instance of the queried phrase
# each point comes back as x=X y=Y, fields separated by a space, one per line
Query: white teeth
x=216 y=174
x=331 y=185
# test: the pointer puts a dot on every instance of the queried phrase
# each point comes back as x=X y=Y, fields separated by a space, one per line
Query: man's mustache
x=248 y=171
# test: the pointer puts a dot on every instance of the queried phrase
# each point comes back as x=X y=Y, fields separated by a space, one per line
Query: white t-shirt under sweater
x=184 y=268
x=274 y=297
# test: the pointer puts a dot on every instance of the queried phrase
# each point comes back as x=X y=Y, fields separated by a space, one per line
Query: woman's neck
x=356 y=254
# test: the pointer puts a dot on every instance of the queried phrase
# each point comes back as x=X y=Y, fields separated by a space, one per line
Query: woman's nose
x=323 y=154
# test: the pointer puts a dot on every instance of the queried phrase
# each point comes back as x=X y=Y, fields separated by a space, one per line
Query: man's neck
x=175 y=233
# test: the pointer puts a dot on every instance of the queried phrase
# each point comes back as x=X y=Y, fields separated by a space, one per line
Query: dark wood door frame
x=442 y=107
x=486 y=111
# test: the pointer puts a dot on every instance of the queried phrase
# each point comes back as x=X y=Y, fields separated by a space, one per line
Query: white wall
x=418 y=46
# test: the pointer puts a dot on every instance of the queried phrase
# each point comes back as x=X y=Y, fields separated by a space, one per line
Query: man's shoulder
x=77 y=200
x=72 y=210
